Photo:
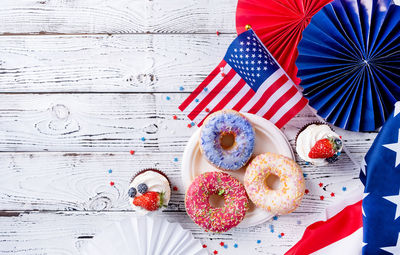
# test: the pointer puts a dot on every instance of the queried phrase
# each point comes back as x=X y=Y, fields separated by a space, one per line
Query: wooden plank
x=92 y=122
x=67 y=232
x=104 y=122
x=118 y=16
x=81 y=182
x=102 y=63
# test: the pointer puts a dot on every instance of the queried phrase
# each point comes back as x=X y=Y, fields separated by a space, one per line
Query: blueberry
x=132 y=192
x=142 y=188
x=332 y=159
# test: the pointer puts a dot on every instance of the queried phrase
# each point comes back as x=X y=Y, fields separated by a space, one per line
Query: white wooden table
x=81 y=82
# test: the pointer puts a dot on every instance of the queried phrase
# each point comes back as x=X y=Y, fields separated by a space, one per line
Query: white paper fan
x=144 y=235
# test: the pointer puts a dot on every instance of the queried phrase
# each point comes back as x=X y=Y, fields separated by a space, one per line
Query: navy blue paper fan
x=349 y=62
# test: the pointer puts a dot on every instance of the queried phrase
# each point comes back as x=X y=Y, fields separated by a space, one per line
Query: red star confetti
x=215 y=252
x=175 y=188
x=321 y=184
x=189 y=125
x=282 y=234
x=132 y=152
x=207 y=110
x=204 y=246
x=175 y=117
x=321 y=197
x=223 y=74
x=222 y=243
x=217 y=33
x=112 y=183
x=306 y=191
x=332 y=194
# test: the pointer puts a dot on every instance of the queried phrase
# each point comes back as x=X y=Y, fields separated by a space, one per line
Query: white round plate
x=268 y=139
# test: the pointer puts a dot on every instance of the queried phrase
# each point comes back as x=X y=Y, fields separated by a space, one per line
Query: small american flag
x=248 y=79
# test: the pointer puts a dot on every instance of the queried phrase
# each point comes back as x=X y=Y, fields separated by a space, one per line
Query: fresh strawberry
x=150 y=201
x=323 y=148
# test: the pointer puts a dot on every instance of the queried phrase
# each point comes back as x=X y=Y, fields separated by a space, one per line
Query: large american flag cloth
x=370 y=225
x=248 y=79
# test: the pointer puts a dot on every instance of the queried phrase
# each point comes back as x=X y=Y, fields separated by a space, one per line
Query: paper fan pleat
x=349 y=62
x=279 y=24
x=144 y=236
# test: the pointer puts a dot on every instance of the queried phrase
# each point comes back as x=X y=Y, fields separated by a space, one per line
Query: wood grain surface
x=117 y=16
x=82 y=82
x=108 y=63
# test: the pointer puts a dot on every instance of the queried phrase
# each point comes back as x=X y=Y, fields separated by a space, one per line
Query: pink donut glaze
x=216 y=219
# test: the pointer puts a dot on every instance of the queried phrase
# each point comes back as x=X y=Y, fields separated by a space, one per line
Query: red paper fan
x=279 y=24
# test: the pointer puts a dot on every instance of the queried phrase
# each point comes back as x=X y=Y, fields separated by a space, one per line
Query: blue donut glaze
x=227 y=122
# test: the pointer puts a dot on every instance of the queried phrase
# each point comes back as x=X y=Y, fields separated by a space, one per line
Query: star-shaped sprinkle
x=321 y=197
x=320 y=184
x=235 y=245
x=132 y=152
x=112 y=183
x=215 y=252
x=396 y=148
x=222 y=243
x=332 y=194
x=109 y=171
x=204 y=246
x=175 y=117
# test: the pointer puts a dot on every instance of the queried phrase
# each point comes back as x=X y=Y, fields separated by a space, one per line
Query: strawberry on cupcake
x=150 y=190
x=318 y=144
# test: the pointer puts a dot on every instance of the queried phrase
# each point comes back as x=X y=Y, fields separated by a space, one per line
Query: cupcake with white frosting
x=318 y=144
x=149 y=190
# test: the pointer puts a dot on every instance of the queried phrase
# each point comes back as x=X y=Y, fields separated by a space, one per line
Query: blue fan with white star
x=380 y=173
x=349 y=62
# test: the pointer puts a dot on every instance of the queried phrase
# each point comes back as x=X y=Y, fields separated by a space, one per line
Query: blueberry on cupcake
x=318 y=144
x=149 y=190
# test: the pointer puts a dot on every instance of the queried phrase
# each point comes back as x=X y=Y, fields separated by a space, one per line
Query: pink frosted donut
x=216 y=219
x=284 y=199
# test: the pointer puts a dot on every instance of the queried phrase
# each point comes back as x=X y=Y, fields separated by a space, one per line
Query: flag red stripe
x=226 y=99
x=280 y=102
x=213 y=93
x=268 y=93
x=242 y=102
x=204 y=84
x=292 y=112
x=324 y=233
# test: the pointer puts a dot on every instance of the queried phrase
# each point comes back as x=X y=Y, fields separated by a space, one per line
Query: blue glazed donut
x=227 y=140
